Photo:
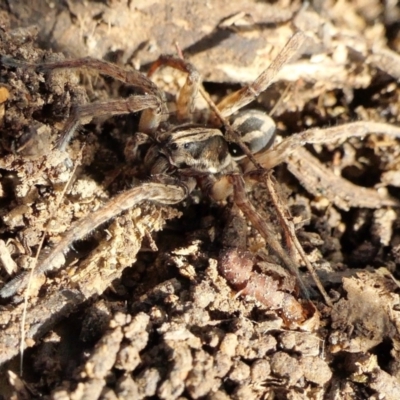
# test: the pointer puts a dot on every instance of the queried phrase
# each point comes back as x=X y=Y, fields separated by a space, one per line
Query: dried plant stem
x=35 y=262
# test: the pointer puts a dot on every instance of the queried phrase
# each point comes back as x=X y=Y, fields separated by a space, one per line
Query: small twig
x=24 y=310
x=35 y=261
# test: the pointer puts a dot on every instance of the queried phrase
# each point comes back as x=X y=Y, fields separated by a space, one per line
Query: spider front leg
x=236 y=100
x=187 y=95
x=162 y=193
x=149 y=104
x=316 y=177
x=152 y=102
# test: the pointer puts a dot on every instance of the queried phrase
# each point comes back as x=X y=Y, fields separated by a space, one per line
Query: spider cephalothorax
x=200 y=149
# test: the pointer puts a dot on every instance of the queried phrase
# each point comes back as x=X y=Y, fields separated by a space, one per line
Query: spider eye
x=235 y=150
x=186 y=146
x=173 y=146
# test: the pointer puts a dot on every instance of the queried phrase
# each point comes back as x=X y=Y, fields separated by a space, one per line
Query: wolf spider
x=183 y=155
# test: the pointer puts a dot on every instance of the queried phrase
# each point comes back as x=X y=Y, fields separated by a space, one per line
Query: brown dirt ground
x=141 y=310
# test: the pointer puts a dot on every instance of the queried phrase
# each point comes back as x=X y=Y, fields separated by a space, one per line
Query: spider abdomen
x=256 y=129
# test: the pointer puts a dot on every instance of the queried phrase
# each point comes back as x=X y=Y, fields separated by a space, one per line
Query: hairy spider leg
x=236 y=100
x=153 y=191
x=129 y=105
x=152 y=102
